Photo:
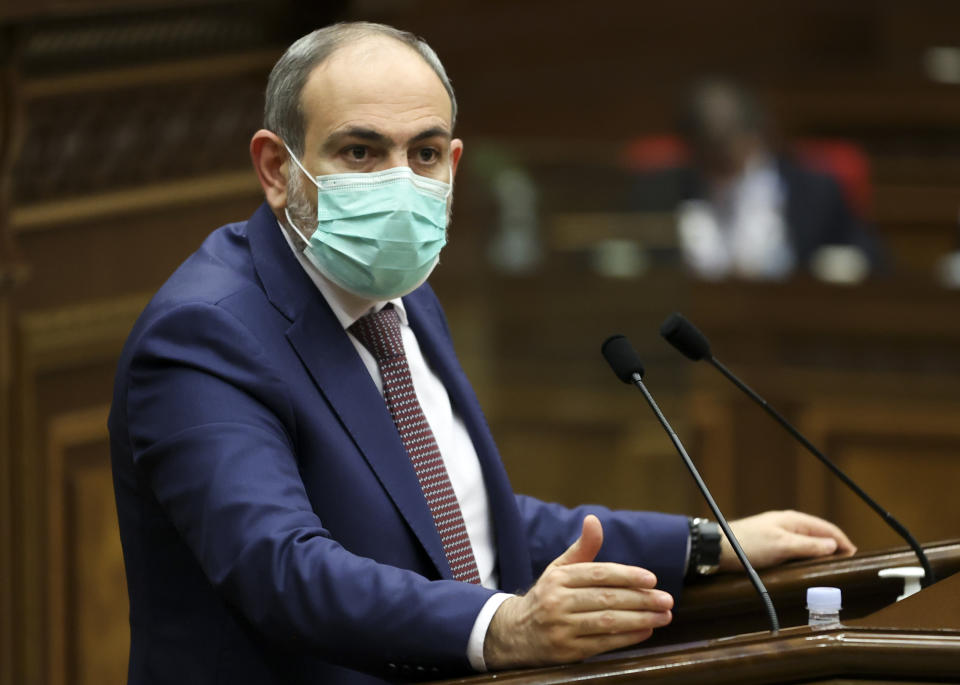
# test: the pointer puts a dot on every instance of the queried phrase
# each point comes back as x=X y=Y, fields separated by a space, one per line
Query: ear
x=456 y=152
x=270 y=160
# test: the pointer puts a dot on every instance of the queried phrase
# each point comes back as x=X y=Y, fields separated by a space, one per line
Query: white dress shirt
x=456 y=447
x=740 y=229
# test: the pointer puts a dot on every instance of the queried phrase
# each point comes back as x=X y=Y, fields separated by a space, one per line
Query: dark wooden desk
x=728 y=605
x=915 y=639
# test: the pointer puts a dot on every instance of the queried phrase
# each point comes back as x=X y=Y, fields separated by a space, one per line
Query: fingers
x=845 y=547
x=775 y=536
x=816 y=527
x=618 y=599
x=800 y=546
x=533 y=630
x=604 y=623
x=601 y=574
x=819 y=527
x=576 y=609
x=601 y=598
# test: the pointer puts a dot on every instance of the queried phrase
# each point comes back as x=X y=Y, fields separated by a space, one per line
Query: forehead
x=376 y=82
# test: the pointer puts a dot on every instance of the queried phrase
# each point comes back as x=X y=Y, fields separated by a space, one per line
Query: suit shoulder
x=220 y=268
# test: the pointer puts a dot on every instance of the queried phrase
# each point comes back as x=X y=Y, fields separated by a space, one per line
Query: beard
x=300 y=211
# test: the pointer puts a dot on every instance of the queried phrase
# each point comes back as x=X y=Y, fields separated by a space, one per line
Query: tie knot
x=379 y=332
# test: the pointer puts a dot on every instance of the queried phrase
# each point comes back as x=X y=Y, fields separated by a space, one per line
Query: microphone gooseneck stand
x=625 y=363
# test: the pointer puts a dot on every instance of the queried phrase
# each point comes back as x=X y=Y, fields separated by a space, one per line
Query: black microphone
x=625 y=362
x=693 y=344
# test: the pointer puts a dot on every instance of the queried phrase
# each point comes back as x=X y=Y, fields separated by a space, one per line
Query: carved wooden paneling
x=87 y=604
x=869 y=374
x=906 y=457
x=66 y=358
x=97 y=628
x=127 y=140
x=575 y=459
x=713 y=448
x=568 y=430
x=137 y=127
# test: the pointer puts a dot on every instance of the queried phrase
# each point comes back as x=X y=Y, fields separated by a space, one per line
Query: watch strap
x=705 y=537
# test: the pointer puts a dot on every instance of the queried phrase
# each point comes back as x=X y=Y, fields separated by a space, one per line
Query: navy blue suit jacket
x=273 y=528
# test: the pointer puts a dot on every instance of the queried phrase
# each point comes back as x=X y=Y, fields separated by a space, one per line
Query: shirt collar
x=346 y=306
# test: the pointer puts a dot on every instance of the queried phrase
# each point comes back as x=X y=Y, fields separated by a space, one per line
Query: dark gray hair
x=283 y=108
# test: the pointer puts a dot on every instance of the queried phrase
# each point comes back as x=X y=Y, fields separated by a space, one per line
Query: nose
x=395 y=158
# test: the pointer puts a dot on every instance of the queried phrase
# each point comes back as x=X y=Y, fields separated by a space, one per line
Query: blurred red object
x=846 y=162
x=654 y=153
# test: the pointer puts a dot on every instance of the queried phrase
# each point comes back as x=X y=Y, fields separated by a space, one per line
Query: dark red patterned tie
x=380 y=333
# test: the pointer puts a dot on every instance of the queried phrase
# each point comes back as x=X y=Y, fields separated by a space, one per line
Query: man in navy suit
x=274 y=526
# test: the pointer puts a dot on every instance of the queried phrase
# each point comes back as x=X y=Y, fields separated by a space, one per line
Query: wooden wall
x=123 y=134
x=124 y=138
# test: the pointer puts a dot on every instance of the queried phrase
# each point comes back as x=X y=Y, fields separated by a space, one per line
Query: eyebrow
x=375 y=136
x=436 y=131
x=369 y=134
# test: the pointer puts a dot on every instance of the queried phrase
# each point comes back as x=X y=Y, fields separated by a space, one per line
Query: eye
x=427 y=155
x=357 y=153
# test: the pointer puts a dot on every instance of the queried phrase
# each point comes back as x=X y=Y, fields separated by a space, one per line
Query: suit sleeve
x=657 y=542
x=210 y=426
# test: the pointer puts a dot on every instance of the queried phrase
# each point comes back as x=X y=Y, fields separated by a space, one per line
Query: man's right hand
x=576 y=609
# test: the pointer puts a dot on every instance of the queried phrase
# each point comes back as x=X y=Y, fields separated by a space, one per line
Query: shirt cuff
x=479 y=633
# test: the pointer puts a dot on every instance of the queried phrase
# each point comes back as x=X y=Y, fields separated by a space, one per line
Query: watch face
x=707 y=569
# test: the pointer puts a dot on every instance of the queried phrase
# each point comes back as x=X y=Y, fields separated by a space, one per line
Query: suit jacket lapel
x=339 y=373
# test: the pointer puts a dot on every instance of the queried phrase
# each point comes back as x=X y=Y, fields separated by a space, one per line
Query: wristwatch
x=705 y=539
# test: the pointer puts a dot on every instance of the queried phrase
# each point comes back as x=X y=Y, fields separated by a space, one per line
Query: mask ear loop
x=446 y=197
x=286 y=210
x=290 y=222
x=304 y=169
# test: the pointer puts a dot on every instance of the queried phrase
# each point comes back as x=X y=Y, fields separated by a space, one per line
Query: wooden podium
x=917 y=639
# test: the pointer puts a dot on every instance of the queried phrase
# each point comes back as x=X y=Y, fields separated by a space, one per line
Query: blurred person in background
x=746 y=210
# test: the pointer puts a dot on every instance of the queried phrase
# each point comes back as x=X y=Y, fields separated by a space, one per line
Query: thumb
x=586 y=547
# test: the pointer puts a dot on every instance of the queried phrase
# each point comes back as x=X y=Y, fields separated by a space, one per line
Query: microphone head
x=683 y=335
x=622 y=358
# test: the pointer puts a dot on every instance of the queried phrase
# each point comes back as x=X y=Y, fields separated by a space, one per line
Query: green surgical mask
x=379 y=234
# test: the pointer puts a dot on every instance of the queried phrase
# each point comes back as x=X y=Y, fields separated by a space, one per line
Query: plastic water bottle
x=823 y=603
